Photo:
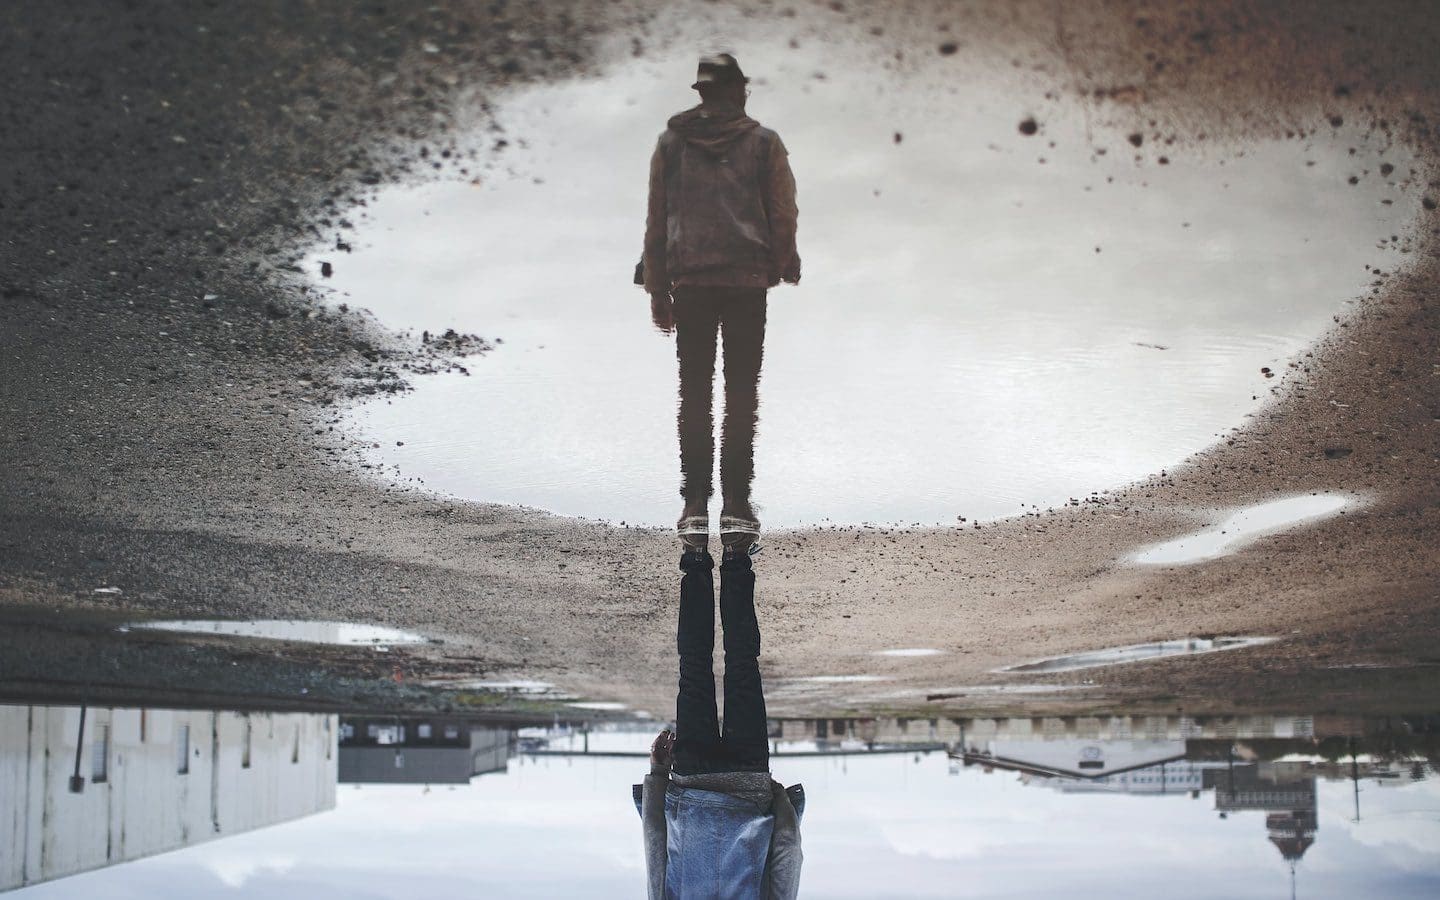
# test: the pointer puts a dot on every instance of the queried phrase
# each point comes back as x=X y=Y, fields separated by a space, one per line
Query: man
x=715 y=824
x=720 y=231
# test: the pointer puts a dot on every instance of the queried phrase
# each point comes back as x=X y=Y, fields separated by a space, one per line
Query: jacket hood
x=712 y=128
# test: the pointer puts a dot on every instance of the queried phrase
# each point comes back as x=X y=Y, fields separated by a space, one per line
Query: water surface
x=986 y=319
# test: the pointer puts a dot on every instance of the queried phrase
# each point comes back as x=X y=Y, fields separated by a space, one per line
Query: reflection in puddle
x=290 y=630
x=83 y=789
x=976 y=329
x=1242 y=528
x=1138 y=653
x=1254 y=799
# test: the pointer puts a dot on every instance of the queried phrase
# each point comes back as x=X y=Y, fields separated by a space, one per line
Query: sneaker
x=694 y=532
x=739 y=534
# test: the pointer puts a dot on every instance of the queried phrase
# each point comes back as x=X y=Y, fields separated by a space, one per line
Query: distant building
x=145 y=781
x=1289 y=802
x=419 y=750
x=1080 y=759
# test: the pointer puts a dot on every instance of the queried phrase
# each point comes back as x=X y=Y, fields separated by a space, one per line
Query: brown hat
x=719 y=68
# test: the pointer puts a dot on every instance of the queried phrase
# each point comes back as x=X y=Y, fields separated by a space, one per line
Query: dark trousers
x=738 y=315
x=700 y=744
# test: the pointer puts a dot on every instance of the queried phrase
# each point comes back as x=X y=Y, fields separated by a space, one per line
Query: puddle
x=520 y=686
x=983 y=318
x=1138 y=653
x=291 y=630
x=910 y=651
x=1242 y=528
x=598 y=705
x=946 y=693
x=835 y=679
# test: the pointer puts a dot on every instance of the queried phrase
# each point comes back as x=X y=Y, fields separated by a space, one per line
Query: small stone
x=1028 y=126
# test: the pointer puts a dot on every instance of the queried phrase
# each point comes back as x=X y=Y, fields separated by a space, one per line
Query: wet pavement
x=1236 y=805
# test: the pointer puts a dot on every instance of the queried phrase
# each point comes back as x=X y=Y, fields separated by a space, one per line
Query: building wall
x=145 y=805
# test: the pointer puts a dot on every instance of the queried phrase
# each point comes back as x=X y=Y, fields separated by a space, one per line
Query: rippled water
x=986 y=319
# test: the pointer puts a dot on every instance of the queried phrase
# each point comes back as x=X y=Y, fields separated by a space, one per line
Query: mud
x=168 y=385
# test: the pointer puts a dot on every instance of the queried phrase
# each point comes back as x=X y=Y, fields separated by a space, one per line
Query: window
x=423 y=730
x=182 y=750
x=100 y=754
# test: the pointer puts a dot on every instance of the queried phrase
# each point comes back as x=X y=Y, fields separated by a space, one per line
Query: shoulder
x=769 y=140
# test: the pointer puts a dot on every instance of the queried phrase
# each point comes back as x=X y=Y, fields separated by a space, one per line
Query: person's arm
x=652 y=813
x=653 y=263
x=784 y=217
x=785 y=856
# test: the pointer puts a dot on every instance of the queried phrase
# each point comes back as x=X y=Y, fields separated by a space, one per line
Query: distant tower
x=1292 y=832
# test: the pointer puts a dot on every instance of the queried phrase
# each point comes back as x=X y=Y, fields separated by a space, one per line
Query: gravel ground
x=168 y=381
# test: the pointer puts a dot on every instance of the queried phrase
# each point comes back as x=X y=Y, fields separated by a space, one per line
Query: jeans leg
x=696 y=322
x=697 y=729
x=743 y=328
x=746 y=735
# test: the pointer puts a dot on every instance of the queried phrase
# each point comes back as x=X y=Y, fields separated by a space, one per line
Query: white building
x=149 y=780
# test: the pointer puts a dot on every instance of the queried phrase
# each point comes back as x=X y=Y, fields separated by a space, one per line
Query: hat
x=720 y=68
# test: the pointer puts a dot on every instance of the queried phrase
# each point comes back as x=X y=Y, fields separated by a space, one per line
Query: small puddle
x=1137 y=653
x=519 y=686
x=344 y=633
x=910 y=651
x=1242 y=528
x=984 y=316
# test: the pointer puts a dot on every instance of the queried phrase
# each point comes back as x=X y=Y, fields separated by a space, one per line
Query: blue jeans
x=700 y=744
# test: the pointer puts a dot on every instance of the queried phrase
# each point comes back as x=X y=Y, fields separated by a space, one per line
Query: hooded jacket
x=722 y=204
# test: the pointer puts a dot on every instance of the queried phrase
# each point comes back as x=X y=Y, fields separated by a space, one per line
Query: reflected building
x=86 y=788
x=1288 y=801
x=419 y=750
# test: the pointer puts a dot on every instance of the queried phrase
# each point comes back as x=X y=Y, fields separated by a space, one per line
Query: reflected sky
x=986 y=319
x=911 y=824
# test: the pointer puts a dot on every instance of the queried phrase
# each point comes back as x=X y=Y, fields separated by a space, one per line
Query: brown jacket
x=722 y=204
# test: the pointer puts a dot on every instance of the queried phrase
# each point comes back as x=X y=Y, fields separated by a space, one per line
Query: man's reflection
x=720 y=231
x=715 y=823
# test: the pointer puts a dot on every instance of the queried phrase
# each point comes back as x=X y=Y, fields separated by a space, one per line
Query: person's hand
x=662 y=750
x=662 y=311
